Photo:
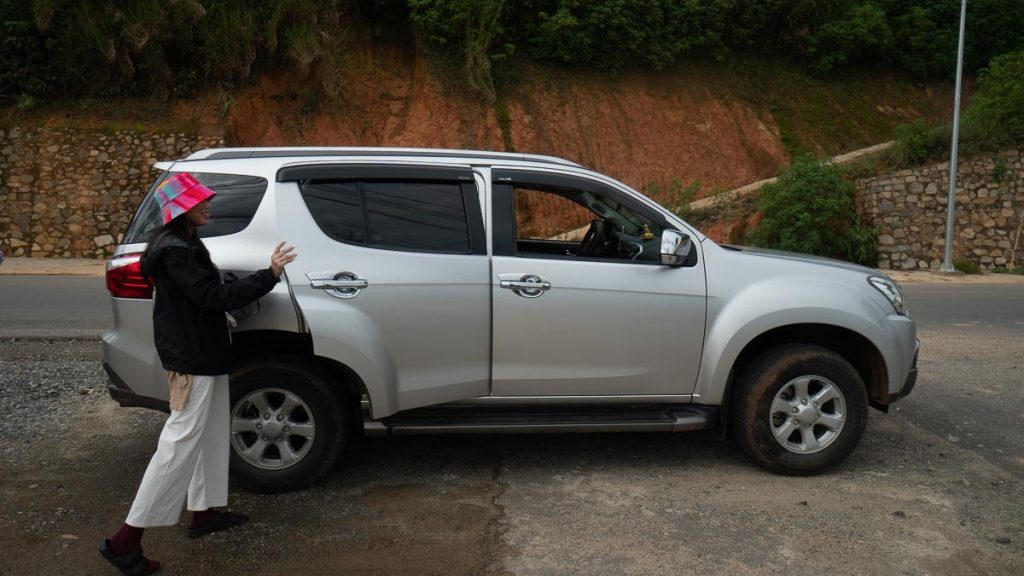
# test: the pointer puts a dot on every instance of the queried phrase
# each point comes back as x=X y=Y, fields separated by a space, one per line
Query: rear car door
x=582 y=304
x=392 y=276
x=129 y=354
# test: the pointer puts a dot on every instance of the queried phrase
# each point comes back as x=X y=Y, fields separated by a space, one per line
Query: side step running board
x=456 y=421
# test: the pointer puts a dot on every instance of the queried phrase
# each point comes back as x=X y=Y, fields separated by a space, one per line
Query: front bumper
x=124 y=395
x=908 y=384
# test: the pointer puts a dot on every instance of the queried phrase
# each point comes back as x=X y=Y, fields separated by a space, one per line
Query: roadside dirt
x=907 y=501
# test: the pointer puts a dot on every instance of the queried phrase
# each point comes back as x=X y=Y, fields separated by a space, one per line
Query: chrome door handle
x=358 y=284
x=529 y=286
x=337 y=284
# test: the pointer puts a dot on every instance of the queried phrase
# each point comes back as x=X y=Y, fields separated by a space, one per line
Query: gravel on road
x=908 y=501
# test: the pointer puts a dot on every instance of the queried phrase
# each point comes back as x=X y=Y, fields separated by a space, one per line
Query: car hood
x=800 y=257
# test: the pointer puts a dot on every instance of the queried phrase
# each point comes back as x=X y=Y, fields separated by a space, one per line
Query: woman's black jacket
x=189 y=327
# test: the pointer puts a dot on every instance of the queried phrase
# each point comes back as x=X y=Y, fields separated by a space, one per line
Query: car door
x=392 y=277
x=575 y=316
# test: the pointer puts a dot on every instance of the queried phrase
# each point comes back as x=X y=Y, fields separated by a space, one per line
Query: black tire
x=811 y=436
x=286 y=459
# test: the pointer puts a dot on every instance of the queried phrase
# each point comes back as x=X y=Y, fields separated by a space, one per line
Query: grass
x=833 y=114
x=966 y=266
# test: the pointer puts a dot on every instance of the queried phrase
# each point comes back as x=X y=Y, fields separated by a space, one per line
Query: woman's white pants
x=191 y=458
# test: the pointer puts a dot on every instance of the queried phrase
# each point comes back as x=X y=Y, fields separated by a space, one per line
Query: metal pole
x=947 y=262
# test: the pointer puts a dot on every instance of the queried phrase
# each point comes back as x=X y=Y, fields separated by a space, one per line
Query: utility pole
x=947 y=262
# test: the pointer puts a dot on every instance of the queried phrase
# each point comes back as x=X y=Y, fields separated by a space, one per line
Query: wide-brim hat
x=179 y=194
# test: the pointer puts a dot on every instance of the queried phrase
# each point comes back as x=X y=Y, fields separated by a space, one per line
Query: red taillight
x=125 y=279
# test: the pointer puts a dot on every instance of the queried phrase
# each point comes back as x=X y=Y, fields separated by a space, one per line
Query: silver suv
x=443 y=291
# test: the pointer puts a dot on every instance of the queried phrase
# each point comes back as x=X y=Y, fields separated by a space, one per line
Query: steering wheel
x=593 y=240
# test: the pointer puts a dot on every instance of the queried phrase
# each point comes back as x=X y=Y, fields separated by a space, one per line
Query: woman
x=191 y=336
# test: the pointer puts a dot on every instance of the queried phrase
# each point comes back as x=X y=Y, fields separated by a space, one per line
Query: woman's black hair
x=177 y=227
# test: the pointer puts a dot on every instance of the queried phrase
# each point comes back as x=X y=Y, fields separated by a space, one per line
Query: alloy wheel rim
x=807 y=414
x=272 y=429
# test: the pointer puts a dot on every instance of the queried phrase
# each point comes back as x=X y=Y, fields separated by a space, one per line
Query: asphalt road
x=972 y=335
x=935 y=488
x=53 y=306
x=993 y=307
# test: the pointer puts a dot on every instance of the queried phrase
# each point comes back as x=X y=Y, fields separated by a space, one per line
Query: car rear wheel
x=798 y=409
x=287 y=425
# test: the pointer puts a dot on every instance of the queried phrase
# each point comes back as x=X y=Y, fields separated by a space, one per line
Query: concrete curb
x=750 y=189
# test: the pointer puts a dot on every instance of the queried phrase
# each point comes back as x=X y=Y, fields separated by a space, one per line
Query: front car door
x=392 y=276
x=582 y=305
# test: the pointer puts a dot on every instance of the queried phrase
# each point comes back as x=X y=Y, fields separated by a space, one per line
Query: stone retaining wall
x=71 y=193
x=909 y=208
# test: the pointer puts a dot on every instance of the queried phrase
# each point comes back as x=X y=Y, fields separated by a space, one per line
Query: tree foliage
x=70 y=48
x=996 y=114
x=107 y=47
x=810 y=209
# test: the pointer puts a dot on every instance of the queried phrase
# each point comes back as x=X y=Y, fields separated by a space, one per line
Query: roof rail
x=293 y=152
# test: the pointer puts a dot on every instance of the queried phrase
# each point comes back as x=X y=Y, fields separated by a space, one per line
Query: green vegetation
x=913 y=36
x=106 y=48
x=994 y=119
x=75 y=48
x=673 y=192
x=966 y=266
x=810 y=209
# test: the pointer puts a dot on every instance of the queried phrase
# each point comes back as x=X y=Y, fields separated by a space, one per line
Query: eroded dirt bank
x=698 y=124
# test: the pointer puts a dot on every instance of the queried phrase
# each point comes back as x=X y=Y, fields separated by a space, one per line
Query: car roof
x=365 y=152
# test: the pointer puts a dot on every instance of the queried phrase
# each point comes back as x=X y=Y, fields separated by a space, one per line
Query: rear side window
x=415 y=216
x=231 y=209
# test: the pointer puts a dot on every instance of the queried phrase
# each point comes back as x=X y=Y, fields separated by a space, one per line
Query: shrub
x=993 y=120
x=917 y=143
x=471 y=27
x=810 y=209
x=966 y=266
x=996 y=115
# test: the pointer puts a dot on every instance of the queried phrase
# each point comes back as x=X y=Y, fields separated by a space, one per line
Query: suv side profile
x=455 y=291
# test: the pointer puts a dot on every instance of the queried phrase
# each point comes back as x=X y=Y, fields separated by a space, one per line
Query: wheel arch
x=260 y=344
x=855 y=348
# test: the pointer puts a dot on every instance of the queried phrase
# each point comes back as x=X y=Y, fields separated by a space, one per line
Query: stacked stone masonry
x=72 y=193
x=909 y=209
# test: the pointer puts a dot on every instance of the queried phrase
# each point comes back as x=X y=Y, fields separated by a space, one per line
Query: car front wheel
x=287 y=425
x=798 y=409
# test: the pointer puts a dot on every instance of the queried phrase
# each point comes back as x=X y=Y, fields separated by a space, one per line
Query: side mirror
x=675 y=247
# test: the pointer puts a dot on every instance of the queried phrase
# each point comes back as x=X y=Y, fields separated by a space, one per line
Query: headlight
x=891 y=290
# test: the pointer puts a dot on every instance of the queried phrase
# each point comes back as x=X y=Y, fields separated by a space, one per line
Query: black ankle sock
x=201 y=518
x=127 y=539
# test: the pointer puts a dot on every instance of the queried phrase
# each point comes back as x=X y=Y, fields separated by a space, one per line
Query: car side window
x=395 y=215
x=544 y=215
x=559 y=220
x=231 y=210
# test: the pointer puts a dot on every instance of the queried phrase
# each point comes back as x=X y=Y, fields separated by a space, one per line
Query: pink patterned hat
x=179 y=193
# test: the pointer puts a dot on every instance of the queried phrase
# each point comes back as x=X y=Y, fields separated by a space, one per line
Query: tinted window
x=231 y=209
x=421 y=216
x=337 y=209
